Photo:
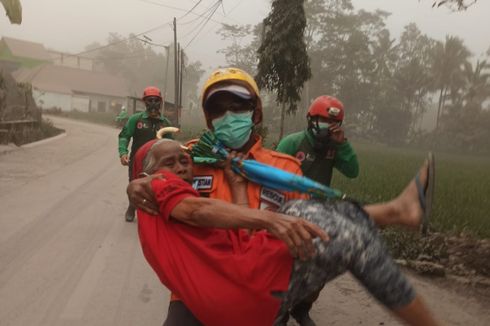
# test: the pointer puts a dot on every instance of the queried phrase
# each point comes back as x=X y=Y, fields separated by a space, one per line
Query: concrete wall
x=101 y=103
x=47 y=100
x=69 y=60
x=80 y=103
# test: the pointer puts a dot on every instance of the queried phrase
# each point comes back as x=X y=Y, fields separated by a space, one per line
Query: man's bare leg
x=404 y=210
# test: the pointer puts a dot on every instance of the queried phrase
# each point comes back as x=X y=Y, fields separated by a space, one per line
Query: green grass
x=462 y=193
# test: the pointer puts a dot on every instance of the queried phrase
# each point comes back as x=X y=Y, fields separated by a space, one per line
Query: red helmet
x=152 y=91
x=327 y=107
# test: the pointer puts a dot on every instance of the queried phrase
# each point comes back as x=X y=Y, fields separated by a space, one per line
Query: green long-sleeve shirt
x=141 y=128
x=339 y=156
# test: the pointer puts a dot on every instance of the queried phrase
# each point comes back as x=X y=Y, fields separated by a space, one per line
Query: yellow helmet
x=229 y=75
x=233 y=75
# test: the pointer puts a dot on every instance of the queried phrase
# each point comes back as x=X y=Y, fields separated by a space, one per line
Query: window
x=101 y=106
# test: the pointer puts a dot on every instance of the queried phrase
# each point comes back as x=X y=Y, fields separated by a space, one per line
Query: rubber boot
x=301 y=312
x=130 y=212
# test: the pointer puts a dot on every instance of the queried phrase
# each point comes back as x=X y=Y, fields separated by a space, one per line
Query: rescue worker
x=232 y=108
x=320 y=148
x=122 y=117
x=232 y=278
x=141 y=127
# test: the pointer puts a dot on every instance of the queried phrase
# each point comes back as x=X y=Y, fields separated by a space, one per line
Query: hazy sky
x=69 y=25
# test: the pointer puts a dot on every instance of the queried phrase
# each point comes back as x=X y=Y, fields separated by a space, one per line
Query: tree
x=240 y=54
x=477 y=87
x=412 y=76
x=192 y=74
x=448 y=60
x=13 y=10
x=283 y=61
x=454 y=4
x=141 y=65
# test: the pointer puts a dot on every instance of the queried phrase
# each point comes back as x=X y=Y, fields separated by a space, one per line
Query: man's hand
x=237 y=183
x=337 y=134
x=233 y=178
x=298 y=234
x=124 y=159
x=141 y=195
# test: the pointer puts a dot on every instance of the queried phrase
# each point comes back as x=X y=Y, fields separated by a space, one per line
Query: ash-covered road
x=67 y=257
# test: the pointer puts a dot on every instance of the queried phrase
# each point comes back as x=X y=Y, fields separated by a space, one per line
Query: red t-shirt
x=225 y=277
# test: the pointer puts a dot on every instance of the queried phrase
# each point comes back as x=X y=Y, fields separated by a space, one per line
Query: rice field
x=462 y=192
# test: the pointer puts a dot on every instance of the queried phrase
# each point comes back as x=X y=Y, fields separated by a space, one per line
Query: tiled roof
x=26 y=49
x=68 y=80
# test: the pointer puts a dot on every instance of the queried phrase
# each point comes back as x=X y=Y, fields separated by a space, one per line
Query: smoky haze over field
x=393 y=88
x=71 y=25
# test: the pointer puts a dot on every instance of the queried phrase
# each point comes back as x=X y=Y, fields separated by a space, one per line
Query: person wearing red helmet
x=320 y=148
x=232 y=106
x=141 y=127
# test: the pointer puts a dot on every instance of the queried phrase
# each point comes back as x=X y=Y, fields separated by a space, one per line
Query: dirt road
x=68 y=258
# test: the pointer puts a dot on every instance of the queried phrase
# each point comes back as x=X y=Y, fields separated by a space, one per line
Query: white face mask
x=324 y=125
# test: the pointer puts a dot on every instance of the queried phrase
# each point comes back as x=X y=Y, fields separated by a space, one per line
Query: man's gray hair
x=150 y=160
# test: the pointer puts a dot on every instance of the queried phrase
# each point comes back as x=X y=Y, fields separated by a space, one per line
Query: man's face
x=171 y=157
x=153 y=106
x=222 y=102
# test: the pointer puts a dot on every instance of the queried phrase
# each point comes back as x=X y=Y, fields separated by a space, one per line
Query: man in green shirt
x=320 y=148
x=141 y=127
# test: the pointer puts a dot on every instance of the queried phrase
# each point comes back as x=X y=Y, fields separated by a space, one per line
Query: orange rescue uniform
x=211 y=182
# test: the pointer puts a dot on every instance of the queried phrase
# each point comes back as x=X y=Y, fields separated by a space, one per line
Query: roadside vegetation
x=461 y=201
x=25 y=135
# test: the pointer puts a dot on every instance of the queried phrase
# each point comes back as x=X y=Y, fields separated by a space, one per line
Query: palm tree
x=477 y=87
x=448 y=61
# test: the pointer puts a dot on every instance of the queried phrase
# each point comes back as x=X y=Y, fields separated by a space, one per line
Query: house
x=61 y=80
x=74 y=89
x=15 y=54
x=71 y=60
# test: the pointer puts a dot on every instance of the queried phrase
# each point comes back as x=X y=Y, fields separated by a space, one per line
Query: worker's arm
x=346 y=160
x=177 y=201
x=297 y=233
x=126 y=133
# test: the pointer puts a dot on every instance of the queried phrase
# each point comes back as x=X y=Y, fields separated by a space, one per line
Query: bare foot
x=408 y=205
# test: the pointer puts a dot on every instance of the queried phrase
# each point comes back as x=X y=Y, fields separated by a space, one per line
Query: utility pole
x=179 y=50
x=165 y=85
x=181 y=79
x=176 y=58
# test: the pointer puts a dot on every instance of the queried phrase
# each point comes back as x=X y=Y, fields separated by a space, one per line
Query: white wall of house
x=101 y=103
x=80 y=103
x=48 y=100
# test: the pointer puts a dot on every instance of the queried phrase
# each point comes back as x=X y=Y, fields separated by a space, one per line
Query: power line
x=190 y=10
x=124 y=39
x=162 y=25
x=163 y=5
x=217 y=4
x=236 y=6
x=183 y=10
x=208 y=10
